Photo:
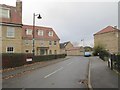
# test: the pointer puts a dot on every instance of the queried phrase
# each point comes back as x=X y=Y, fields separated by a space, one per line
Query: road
x=64 y=74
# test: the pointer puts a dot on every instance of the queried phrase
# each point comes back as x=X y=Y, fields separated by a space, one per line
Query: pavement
x=101 y=76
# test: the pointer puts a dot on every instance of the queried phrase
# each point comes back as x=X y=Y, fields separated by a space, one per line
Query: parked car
x=87 y=54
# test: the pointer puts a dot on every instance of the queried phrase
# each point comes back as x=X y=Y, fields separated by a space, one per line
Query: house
x=69 y=49
x=46 y=40
x=109 y=38
x=18 y=38
x=65 y=46
x=11 y=27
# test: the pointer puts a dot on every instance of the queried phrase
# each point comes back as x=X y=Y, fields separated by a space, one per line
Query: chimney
x=115 y=27
x=19 y=7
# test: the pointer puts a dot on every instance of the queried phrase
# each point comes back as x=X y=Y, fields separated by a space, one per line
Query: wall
x=108 y=40
x=38 y=45
x=16 y=42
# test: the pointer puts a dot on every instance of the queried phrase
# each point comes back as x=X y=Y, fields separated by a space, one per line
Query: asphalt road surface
x=64 y=74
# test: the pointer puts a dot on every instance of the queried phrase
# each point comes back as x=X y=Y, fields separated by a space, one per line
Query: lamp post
x=39 y=17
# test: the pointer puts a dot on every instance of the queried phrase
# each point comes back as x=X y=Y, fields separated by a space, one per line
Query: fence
x=113 y=60
x=16 y=60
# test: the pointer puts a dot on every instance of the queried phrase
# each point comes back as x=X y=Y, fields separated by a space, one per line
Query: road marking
x=69 y=63
x=53 y=72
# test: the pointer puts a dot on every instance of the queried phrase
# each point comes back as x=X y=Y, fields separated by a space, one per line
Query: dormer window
x=5 y=12
x=50 y=33
x=40 y=32
x=28 y=32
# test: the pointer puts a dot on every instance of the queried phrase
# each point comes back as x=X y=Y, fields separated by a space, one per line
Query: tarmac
x=18 y=71
x=100 y=76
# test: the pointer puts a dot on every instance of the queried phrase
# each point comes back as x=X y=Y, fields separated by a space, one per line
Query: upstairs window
x=50 y=42
x=4 y=13
x=40 y=32
x=28 y=32
x=10 y=32
x=50 y=33
x=55 y=42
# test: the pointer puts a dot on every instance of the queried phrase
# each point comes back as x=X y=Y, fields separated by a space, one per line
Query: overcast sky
x=71 y=20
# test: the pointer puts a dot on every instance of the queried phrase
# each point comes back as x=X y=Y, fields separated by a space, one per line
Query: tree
x=97 y=49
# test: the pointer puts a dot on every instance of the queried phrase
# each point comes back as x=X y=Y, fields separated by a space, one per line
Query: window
x=50 y=42
x=50 y=52
x=50 y=33
x=26 y=51
x=55 y=52
x=10 y=49
x=28 y=32
x=10 y=32
x=27 y=42
x=55 y=42
x=40 y=32
x=4 y=13
x=42 y=43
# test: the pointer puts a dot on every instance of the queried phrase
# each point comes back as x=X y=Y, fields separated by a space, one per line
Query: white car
x=87 y=54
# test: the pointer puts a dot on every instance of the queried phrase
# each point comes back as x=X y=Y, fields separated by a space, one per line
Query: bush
x=97 y=49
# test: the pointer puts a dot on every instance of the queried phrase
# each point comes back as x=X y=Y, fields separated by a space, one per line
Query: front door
x=42 y=52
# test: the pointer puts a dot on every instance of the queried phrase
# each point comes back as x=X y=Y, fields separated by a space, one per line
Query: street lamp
x=39 y=17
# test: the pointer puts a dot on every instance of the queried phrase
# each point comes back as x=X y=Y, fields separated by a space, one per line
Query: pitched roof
x=14 y=15
x=63 y=45
x=46 y=30
x=106 y=30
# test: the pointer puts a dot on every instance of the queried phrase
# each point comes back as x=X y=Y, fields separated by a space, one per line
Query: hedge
x=15 y=60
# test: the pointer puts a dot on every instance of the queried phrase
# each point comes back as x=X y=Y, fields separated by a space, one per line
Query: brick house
x=109 y=38
x=69 y=49
x=46 y=40
x=11 y=27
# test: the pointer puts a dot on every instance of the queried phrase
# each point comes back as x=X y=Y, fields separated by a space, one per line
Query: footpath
x=101 y=76
x=18 y=71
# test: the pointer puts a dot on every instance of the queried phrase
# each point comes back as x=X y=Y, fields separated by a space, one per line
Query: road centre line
x=53 y=72
x=69 y=63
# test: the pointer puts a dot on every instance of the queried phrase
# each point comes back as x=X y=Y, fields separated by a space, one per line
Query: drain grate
x=83 y=81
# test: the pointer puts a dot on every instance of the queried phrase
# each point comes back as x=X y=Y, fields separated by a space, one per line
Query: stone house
x=11 y=27
x=46 y=40
x=69 y=49
x=18 y=38
x=109 y=38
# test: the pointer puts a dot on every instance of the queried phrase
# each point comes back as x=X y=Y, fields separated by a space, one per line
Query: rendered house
x=109 y=38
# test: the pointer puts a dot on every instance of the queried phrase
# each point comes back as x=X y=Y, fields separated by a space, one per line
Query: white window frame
x=10 y=51
x=3 y=13
x=40 y=33
x=29 y=31
x=10 y=32
x=50 y=33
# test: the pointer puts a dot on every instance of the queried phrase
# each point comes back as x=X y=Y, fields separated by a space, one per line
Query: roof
x=14 y=15
x=107 y=29
x=46 y=30
x=63 y=45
